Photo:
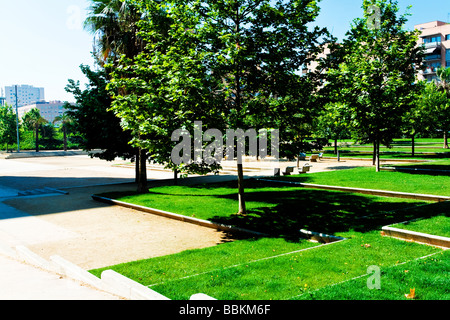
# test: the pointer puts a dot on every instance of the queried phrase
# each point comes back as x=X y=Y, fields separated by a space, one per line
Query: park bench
x=314 y=157
x=305 y=168
x=302 y=156
x=288 y=171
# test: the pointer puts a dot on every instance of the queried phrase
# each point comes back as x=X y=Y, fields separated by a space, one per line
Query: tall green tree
x=33 y=121
x=114 y=25
x=232 y=64
x=376 y=77
x=8 y=128
x=65 y=122
x=436 y=105
x=443 y=110
x=101 y=132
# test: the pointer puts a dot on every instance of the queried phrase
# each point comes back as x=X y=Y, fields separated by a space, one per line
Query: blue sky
x=42 y=42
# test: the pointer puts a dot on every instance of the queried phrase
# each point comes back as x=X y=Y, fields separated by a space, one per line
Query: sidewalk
x=19 y=281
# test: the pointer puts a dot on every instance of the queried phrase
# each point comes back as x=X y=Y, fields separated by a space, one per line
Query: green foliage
x=98 y=127
x=8 y=130
x=376 y=74
x=34 y=121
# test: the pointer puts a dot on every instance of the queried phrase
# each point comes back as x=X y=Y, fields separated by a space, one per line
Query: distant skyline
x=42 y=43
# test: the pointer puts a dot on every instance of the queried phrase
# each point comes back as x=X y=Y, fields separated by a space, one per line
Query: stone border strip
x=200 y=222
x=110 y=281
x=419 y=237
x=416 y=170
x=384 y=193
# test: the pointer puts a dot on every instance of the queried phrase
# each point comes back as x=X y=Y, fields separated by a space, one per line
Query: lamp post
x=17 y=123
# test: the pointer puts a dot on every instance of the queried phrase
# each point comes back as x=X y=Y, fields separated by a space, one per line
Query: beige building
x=48 y=110
x=436 y=39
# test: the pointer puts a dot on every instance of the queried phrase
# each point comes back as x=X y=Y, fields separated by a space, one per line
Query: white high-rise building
x=25 y=95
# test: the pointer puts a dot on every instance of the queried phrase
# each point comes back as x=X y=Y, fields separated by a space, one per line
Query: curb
x=395 y=194
x=110 y=281
x=416 y=170
x=175 y=216
x=419 y=237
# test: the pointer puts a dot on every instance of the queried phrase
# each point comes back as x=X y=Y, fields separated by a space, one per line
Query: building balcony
x=433 y=57
x=432 y=45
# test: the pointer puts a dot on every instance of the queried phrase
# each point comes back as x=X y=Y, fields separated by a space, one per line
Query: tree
x=114 y=25
x=33 y=121
x=376 y=78
x=99 y=128
x=332 y=123
x=435 y=103
x=8 y=130
x=443 y=109
x=65 y=122
x=237 y=61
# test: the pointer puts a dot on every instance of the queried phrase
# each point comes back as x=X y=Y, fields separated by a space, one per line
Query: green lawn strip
x=368 y=178
x=432 y=165
x=231 y=272
x=429 y=277
x=272 y=208
x=438 y=225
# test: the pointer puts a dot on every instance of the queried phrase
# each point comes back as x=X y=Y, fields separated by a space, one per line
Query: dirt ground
x=98 y=235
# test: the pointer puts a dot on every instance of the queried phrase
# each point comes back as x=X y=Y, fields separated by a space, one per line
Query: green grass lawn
x=284 y=266
x=278 y=269
x=429 y=277
x=272 y=208
x=439 y=225
x=368 y=178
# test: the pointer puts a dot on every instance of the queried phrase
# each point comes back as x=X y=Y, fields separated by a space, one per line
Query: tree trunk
x=65 y=138
x=175 y=177
x=37 y=138
x=377 y=156
x=137 y=165
x=412 y=144
x=242 y=208
x=142 y=183
x=335 y=146
x=446 y=139
x=374 y=154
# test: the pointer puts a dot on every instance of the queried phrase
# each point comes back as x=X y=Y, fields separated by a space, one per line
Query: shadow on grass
x=282 y=210
x=291 y=209
x=324 y=211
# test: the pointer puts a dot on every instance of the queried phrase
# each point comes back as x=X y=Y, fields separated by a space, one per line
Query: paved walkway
x=87 y=233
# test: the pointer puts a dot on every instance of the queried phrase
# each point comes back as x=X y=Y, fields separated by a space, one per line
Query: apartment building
x=435 y=38
x=48 y=110
x=26 y=95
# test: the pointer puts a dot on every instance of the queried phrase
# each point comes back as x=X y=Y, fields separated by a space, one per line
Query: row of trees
x=32 y=122
x=234 y=64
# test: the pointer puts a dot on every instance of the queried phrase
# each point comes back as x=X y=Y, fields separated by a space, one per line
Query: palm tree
x=33 y=120
x=115 y=29
x=65 y=121
x=114 y=25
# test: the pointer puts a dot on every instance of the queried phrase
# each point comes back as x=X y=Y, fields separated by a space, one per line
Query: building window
x=447 y=37
x=432 y=39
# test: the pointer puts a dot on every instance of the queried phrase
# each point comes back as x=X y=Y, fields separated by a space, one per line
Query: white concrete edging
x=73 y=271
x=128 y=288
x=419 y=237
x=110 y=280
